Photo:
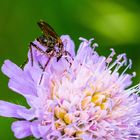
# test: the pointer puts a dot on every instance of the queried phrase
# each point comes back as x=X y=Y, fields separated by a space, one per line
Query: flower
x=80 y=97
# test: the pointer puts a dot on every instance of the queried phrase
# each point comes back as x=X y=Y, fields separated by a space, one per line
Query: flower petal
x=70 y=47
x=22 y=87
x=35 y=131
x=16 y=111
x=26 y=114
x=44 y=129
x=21 y=129
x=10 y=110
x=19 y=80
x=84 y=50
x=57 y=68
x=54 y=135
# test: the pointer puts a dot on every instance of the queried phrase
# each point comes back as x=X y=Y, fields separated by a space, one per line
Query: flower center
x=97 y=98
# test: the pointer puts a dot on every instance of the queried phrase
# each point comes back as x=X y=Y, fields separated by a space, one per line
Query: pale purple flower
x=84 y=98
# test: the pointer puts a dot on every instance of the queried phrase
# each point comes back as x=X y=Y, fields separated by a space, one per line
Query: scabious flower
x=80 y=97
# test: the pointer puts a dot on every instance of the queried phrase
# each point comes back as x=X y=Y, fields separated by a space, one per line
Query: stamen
x=95 y=45
x=128 y=67
x=134 y=89
x=109 y=59
x=118 y=62
x=134 y=74
x=83 y=39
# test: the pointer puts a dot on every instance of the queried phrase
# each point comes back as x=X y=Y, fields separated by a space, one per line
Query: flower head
x=80 y=97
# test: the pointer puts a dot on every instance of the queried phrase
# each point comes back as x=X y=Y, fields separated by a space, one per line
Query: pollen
x=68 y=118
x=60 y=112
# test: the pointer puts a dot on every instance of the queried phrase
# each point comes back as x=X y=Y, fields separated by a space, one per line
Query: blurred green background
x=113 y=24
